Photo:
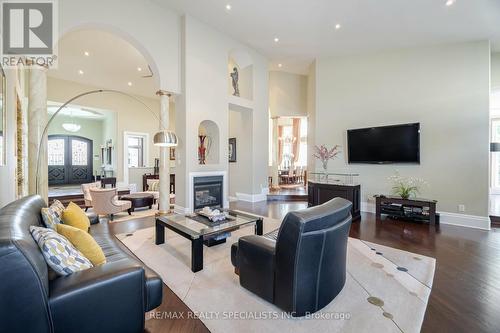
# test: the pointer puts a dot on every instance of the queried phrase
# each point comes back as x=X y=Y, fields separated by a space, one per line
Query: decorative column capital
x=163 y=93
x=32 y=64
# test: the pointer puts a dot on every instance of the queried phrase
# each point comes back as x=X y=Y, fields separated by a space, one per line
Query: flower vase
x=201 y=149
x=325 y=170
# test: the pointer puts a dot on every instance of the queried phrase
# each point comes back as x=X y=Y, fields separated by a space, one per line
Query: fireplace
x=208 y=192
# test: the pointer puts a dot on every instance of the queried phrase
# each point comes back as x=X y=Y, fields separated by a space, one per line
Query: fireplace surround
x=208 y=192
x=190 y=195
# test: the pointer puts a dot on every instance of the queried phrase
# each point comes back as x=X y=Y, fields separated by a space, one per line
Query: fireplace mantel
x=193 y=175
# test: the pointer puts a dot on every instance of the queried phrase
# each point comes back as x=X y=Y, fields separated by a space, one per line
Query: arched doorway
x=88 y=61
x=69 y=160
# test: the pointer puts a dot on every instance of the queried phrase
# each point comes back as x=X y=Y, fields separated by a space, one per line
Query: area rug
x=386 y=289
x=137 y=214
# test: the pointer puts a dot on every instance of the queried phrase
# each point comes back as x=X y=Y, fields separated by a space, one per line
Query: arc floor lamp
x=163 y=138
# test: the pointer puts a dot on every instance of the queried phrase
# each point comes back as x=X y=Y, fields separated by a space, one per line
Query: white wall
x=151 y=28
x=287 y=94
x=495 y=70
x=445 y=88
x=311 y=113
x=205 y=55
x=240 y=127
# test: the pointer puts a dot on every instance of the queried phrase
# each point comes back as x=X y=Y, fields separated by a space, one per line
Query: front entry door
x=69 y=160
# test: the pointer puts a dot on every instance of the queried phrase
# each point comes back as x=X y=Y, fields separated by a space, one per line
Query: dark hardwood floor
x=466 y=290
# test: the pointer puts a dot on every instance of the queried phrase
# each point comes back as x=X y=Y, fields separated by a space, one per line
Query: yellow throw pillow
x=75 y=217
x=84 y=243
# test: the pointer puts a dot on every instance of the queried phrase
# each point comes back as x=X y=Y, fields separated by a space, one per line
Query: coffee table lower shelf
x=197 y=243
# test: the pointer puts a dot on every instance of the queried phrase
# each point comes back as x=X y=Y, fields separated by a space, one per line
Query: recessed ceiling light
x=80 y=72
x=228 y=7
x=276 y=39
x=86 y=53
x=450 y=2
x=139 y=69
x=280 y=65
x=337 y=26
x=129 y=84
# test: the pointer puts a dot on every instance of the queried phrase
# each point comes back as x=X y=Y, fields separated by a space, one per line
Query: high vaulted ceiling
x=104 y=60
x=306 y=28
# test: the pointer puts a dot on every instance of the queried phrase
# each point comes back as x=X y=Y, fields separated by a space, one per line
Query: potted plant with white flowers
x=406 y=187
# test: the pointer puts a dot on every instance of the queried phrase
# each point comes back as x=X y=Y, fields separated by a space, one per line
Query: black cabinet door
x=319 y=193
x=69 y=159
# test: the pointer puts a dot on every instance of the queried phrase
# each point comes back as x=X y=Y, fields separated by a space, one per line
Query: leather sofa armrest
x=256 y=261
x=106 y=298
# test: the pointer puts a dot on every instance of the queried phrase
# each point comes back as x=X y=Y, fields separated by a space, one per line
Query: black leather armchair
x=109 y=298
x=301 y=267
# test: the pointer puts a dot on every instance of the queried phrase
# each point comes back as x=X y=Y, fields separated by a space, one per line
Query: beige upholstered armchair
x=153 y=187
x=86 y=193
x=105 y=202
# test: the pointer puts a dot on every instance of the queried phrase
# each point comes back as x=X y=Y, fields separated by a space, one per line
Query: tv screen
x=384 y=145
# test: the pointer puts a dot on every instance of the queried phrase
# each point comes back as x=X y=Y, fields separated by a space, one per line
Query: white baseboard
x=368 y=207
x=251 y=197
x=461 y=220
x=231 y=199
x=180 y=210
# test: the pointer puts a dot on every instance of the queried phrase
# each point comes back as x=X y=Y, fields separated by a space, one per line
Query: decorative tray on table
x=214 y=215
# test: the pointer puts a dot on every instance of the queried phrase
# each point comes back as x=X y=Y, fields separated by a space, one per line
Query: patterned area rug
x=386 y=289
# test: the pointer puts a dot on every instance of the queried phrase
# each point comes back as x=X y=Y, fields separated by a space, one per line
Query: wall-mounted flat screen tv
x=385 y=144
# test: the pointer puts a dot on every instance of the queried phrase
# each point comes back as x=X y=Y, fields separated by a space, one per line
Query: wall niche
x=242 y=62
x=208 y=143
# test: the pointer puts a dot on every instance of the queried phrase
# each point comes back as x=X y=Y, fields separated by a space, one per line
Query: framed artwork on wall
x=172 y=154
x=232 y=150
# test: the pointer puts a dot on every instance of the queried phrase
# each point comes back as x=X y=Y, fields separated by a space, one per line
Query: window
x=79 y=155
x=56 y=151
x=288 y=140
x=135 y=151
x=302 y=162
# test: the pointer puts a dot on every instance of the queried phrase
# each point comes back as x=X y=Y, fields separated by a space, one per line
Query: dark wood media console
x=418 y=210
x=319 y=193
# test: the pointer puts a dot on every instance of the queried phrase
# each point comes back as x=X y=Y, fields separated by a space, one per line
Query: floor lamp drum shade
x=165 y=139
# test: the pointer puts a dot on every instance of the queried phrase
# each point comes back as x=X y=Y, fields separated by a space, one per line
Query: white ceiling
x=112 y=63
x=306 y=28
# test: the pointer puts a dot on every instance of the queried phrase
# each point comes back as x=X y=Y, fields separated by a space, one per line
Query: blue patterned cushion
x=50 y=218
x=58 y=252
x=57 y=207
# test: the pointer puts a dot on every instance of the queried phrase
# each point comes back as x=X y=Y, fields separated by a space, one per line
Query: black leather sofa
x=301 y=267
x=109 y=298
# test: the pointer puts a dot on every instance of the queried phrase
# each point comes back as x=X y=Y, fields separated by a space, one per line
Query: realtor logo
x=28 y=30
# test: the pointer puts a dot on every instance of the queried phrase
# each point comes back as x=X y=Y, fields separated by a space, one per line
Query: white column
x=275 y=156
x=164 y=200
x=37 y=119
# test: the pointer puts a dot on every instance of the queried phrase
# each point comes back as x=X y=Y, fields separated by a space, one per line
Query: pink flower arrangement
x=324 y=154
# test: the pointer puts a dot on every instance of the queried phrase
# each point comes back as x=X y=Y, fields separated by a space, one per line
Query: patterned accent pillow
x=57 y=207
x=154 y=185
x=50 y=218
x=58 y=252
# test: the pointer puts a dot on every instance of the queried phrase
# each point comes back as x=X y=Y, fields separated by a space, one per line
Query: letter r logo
x=27 y=28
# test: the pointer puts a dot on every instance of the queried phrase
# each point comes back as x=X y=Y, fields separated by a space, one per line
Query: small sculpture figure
x=234 y=77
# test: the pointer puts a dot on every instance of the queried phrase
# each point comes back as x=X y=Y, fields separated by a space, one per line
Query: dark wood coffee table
x=139 y=200
x=197 y=232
